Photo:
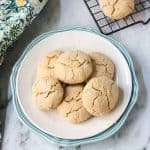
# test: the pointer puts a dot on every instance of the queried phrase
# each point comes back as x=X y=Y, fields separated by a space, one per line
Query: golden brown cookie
x=47 y=63
x=72 y=108
x=47 y=92
x=100 y=96
x=102 y=65
x=73 y=67
x=117 y=9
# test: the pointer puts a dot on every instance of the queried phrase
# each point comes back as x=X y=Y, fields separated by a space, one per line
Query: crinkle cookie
x=72 y=108
x=73 y=67
x=47 y=64
x=102 y=65
x=117 y=9
x=47 y=92
x=100 y=96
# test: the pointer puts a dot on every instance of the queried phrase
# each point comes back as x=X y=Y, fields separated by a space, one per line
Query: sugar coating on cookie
x=47 y=92
x=100 y=96
x=117 y=9
x=72 y=108
x=102 y=65
x=73 y=67
x=47 y=63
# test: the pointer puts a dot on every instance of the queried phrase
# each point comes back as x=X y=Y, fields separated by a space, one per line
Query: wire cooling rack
x=108 y=26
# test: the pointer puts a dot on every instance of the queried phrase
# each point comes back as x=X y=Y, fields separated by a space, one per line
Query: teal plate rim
x=103 y=135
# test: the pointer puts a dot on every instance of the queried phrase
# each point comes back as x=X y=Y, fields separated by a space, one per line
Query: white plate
x=51 y=122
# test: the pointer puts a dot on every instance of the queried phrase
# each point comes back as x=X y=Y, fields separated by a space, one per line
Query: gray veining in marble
x=135 y=134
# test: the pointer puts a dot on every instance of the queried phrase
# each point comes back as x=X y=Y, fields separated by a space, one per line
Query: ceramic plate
x=50 y=122
x=101 y=135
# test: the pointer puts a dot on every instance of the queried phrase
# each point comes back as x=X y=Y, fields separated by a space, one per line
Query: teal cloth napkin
x=15 y=15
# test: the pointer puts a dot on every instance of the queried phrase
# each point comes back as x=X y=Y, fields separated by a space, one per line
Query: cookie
x=102 y=65
x=47 y=63
x=100 y=96
x=72 y=108
x=47 y=92
x=117 y=9
x=73 y=67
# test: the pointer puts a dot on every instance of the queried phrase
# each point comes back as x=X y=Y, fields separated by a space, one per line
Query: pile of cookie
x=78 y=84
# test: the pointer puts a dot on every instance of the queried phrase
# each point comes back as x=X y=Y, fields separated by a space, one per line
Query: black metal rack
x=108 y=26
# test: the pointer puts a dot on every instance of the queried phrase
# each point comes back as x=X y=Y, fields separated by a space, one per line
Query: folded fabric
x=15 y=15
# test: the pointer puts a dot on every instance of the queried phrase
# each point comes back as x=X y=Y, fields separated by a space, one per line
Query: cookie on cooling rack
x=117 y=9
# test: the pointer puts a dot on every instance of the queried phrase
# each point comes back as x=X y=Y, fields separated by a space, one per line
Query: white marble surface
x=135 y=134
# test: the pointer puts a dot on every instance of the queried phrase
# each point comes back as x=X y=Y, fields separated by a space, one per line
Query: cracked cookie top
x=47 y=92
x=72 y=108
x=100 y=96
x=117 y=9
x=102 y=65
x=73 y=67
x=47 y=64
